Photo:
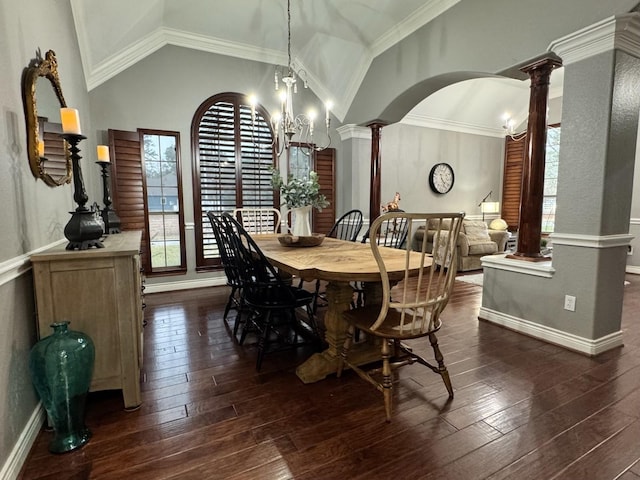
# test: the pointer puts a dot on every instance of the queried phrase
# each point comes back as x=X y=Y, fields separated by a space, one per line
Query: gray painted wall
x=409 y=152
x=33 y=215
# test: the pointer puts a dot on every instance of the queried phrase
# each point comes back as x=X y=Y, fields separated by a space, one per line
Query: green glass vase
x=61 y=368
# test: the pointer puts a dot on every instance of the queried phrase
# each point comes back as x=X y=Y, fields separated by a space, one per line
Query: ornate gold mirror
x=42 y=97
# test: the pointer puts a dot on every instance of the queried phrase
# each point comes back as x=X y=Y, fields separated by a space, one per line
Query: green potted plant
x=300 y=195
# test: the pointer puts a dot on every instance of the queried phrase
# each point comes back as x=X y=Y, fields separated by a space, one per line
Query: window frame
x=241 y=106
x=174 y=269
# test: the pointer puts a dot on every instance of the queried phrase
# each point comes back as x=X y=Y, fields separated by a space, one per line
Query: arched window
x=231 y=165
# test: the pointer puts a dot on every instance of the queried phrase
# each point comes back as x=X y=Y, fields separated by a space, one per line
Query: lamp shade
x=490 y=207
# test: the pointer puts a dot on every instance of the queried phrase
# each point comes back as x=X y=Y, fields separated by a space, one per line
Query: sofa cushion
x=482 y=248
x=476 y=231
x=434 y=222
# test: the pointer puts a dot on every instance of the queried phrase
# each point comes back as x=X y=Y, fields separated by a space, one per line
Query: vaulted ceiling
x=334 y=41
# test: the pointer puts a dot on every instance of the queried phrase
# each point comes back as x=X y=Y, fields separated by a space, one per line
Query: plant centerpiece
x=300 y=195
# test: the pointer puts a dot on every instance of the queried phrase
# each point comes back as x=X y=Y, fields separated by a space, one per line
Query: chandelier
x=288 y=127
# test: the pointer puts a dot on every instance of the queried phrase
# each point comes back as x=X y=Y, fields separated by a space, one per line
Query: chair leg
x=316 y=296
x=229 y=302
x=387 y=381
x=263 y=341
x=442 y=369
x=345 y=350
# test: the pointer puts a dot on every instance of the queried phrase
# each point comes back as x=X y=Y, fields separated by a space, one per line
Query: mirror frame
x=47 y=68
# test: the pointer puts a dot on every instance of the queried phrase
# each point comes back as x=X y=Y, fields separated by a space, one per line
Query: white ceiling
x=334 y=41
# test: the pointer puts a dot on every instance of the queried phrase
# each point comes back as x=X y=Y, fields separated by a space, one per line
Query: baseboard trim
x=184 y=284
x=552 y=335
x=17 y=457
x=633 y=269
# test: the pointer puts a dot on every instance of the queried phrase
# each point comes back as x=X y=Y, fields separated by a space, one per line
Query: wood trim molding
x=450 y=125
x=573 y=342
x=214 y=281
x=17 y=457
x=18 y=266
x=536 y=269
x=622 y=33
x=591 y=241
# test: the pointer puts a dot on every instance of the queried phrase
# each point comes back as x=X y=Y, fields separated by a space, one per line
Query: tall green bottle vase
x=61 y=368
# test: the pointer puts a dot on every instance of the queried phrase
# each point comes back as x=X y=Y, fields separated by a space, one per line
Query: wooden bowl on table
x=289 y=240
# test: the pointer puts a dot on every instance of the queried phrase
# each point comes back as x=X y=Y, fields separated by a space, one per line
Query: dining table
x=339 y=263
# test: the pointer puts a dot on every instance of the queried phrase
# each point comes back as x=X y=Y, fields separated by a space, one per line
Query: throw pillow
x=476 y=230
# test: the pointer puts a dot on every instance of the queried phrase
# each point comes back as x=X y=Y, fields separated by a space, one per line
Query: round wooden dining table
x=338 y=262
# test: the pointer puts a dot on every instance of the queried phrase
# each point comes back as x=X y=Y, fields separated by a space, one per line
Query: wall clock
x=441 y=178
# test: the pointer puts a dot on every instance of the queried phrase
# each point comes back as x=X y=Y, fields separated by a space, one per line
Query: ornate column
x=376 y=160
x=529 y=228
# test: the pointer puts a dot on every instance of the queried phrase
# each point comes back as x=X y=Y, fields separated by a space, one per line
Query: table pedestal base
x=319 y=365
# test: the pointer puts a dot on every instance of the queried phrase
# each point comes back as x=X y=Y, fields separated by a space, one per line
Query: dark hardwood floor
x=523 y=409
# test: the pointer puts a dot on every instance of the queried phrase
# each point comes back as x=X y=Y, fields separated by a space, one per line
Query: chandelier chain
x=289 y=33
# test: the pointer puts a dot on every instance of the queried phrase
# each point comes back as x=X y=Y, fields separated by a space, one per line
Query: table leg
x=319 y=365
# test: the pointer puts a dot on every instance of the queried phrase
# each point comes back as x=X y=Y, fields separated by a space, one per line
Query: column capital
x=621 y=32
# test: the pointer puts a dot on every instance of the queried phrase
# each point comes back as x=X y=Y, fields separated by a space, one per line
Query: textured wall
x=33 y=215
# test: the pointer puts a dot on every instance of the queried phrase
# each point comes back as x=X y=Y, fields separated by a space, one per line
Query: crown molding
x=351 y=130
x=621 y=32
x=430 y=10
x=451 y=125
x=157 y=39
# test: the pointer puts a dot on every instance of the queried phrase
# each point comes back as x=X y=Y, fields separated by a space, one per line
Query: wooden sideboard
x=100 y=292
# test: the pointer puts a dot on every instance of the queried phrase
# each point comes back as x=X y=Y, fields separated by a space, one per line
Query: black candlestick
x=83 y=230
x=109 y=216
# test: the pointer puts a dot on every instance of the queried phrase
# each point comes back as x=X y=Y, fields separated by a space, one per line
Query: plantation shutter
x=325 y=168
x=231 y=166
x=512 y=180
x=55 y=151
x=128 y=190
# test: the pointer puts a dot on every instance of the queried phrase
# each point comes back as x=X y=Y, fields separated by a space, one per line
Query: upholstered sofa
x=475 y=241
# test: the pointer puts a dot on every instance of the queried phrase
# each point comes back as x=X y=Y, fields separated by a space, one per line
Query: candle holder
x=83 y=230
x=109 y=216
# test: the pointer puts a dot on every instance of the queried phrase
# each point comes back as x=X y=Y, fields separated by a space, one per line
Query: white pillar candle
x=70 y=121
x=103 y=153
x=41 y=148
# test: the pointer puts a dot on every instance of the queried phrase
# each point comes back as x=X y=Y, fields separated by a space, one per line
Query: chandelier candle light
x=83 y=230
x=285 y=124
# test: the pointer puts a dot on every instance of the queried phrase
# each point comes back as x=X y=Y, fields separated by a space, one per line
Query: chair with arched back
x=258 y=220
x=348 y=226
x=272 y=302
x=231 y=270
x=410 y=309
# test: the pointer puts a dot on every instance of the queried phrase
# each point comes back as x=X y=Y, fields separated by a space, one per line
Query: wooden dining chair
x=258 y=220
x=231 y=269
x=411 y=309
x=348 y=226
x=271 y=301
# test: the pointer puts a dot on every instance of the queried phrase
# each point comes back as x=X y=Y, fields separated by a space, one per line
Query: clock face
x=441 y=178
